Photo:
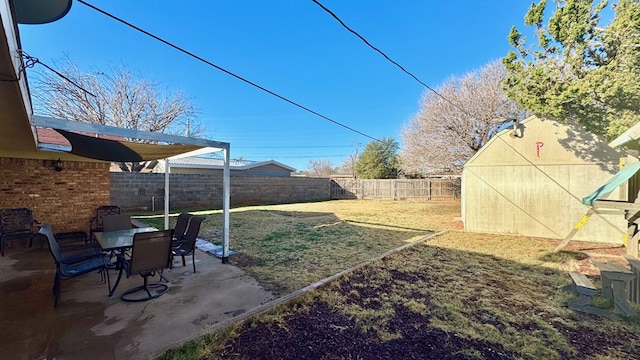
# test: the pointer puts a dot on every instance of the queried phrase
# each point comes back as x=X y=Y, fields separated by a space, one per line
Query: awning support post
x=166 y=194
x=226 y=195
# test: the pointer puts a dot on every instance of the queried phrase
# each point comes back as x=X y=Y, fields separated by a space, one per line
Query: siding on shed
x=533 y=185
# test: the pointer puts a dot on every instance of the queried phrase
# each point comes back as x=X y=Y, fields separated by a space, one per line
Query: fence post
x=453 y=189
x=395 y=189
x=428 y=189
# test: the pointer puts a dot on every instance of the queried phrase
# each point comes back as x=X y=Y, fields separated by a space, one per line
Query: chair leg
x=183 y=262
x=146 y=285
x=2 y=246
x=112 y=290
x=162 y=278
x=157 y=288
x=106 y=273
x=56 y=288
x=193 y=261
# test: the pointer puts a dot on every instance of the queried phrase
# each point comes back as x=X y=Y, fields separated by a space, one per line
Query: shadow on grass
x=563 y=256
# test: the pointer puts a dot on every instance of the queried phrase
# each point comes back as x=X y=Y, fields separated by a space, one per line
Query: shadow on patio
x=88 y=324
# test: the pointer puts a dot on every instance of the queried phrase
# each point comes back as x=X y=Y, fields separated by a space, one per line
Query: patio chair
x=150 y=254
x=75 y=264
x=95 y=224
x=116 y=222
x=73 y=241
x=187 y=246
x=16 y=224
x=181 y=227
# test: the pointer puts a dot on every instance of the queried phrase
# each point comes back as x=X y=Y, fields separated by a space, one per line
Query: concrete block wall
x=65 y=199
x=145 y=191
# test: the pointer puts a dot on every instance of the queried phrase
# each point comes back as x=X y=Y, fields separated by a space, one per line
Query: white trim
x=206 y=150
x=632 y=134
x=11 y=36
x=54 y=148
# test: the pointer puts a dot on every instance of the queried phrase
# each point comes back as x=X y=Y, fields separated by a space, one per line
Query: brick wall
x=66 y=199
x=137 y=191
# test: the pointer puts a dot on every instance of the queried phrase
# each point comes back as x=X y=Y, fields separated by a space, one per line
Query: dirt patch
x=322 y=333
x=456 y=305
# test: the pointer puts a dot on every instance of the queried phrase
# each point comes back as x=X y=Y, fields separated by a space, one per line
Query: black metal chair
x=151 y=253
x=96 y=224
x=16 y=224
x=73 y=264
x=187 y=246
x=181 y=227
x=116 y=222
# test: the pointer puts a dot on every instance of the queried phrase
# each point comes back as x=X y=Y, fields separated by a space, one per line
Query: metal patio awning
x=165 y=146
x=120 y=151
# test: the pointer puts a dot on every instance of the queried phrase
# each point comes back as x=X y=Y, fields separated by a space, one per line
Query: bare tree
x=348 y=165
x=119 y=99
x=449 y=129
x=320 y=168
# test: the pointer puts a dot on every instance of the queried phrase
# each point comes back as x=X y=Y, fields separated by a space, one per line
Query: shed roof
x=540 y=141
x=629 y=139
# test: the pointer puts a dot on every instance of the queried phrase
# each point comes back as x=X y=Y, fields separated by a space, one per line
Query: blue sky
x=295 y=49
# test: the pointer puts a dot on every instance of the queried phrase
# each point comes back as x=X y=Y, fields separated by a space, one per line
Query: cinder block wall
x=66 y=199
x=145 y=191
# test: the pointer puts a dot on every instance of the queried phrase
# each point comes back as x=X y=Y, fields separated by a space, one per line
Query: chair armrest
x=79 y=257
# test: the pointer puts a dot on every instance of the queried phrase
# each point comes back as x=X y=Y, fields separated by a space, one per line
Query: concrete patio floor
x=87 y=324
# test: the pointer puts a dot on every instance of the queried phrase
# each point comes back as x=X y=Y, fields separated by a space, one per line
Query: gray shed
x=530 y=180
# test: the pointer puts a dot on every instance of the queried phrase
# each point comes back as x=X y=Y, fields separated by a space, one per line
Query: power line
x=30 y=61
x=385 y=55
x=223 y=69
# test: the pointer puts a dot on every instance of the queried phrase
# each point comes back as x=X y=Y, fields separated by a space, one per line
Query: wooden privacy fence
x=395 y=189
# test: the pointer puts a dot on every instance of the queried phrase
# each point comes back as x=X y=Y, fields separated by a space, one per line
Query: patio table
x=118 y=240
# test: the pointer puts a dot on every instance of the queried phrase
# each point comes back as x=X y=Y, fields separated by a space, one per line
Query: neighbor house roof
x=52 y=140
x=217 y=163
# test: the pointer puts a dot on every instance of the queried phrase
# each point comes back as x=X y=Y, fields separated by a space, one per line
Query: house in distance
x=210 y=165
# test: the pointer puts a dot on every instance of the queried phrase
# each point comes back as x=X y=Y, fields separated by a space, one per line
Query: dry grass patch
x=287 y=247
